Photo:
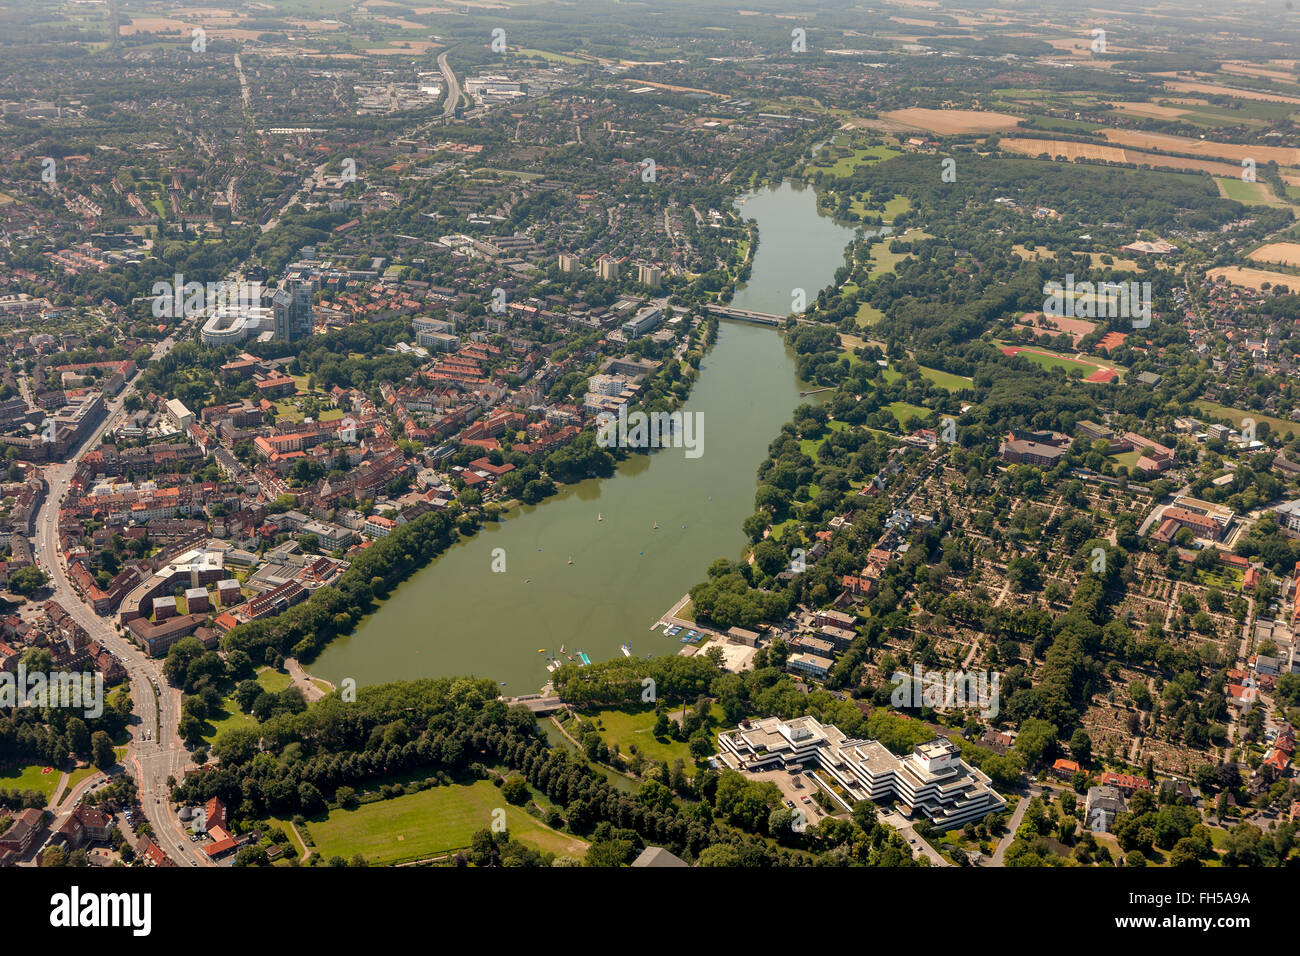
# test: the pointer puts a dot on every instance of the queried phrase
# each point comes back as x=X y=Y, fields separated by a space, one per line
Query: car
x=911 y=839
x=789 y=803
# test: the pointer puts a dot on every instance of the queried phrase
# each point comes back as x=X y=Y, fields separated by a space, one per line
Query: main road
x=155 y=750
x=453 y=87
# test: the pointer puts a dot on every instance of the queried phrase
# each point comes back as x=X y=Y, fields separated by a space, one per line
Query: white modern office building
x=932 y=780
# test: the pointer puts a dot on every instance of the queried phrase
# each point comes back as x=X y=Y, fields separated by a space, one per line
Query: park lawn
x=897 y=207
x=80 y=774
x=861 y=156
x=555 y=57
x=272 y=682
x=809 y=446
x=628 y=728
x=953 y=383
x=902 y=411
x=1278 y=426
x=867 y=315
x=430 y=823
x=30 y=777
x=288 y=411
x=1129 y=459
x=779 y=530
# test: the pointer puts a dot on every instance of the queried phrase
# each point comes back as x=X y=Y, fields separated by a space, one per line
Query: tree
x=101 y=748
x=27 y=581
x=515 y=790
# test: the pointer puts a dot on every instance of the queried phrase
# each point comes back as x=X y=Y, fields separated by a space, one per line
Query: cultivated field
x=949 y=122
x=1220 y=90
x=1282 y=155
x=1068 y=149
x=1254 y=278
x=1279 y=253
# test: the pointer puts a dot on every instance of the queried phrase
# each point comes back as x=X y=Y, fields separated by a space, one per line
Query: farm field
x=1068 y=149
x=1218 y=89
x=1282 y=155
x=948 y=122
x=1254 y=278
x=1278 y=253
x=430 y=823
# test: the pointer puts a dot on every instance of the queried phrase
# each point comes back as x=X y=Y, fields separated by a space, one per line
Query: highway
x=156 y=706
x=453 y=87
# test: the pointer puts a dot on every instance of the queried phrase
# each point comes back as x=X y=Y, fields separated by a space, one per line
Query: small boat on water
x=570 y=559
x=599 y=516
x=585 y=658
x=656 y=527
x=561 y=648
x=627 y=651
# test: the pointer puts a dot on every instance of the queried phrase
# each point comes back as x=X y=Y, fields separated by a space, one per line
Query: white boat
x=599 y=516
x=627 y=651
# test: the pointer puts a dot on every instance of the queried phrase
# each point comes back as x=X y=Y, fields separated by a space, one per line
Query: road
x=453 y=87
x=159 y=753
x=1009 y=837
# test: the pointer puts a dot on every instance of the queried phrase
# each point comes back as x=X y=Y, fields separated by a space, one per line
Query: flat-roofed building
x=1020 y=452
x=932 y=780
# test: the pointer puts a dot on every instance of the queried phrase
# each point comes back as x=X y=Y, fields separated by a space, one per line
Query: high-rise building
x=568 y=263
x=607 y=268
x=650 y=275
x=292 y=309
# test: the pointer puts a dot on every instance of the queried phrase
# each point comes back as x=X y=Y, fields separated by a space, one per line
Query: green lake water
x=458 y=616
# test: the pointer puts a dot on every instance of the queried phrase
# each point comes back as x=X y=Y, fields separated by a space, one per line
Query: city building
x=932 y=780
x=291 y=309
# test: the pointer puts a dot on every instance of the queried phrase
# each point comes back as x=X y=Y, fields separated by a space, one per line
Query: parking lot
x=796 y=789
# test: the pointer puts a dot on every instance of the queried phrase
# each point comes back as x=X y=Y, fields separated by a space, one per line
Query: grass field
x=635 y=728
x=947 y=380
x=1253 y=194
x=860 y=156
x=272 y=681
x=1278 y=426
x=430 y=823
x=809 y=446
x=29 y=778
x=554 y=57
x=1057 y=361
x=902 y=411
